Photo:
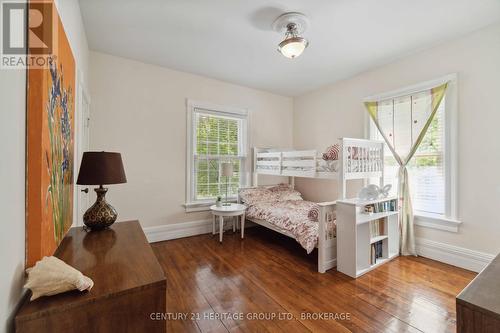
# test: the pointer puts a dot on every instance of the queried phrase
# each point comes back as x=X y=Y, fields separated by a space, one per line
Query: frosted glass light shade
x=293 y=47
x=227 y=169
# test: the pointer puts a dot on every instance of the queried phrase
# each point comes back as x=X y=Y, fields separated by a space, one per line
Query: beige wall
x=140 y=110
x=336 y=111
x=12 y=143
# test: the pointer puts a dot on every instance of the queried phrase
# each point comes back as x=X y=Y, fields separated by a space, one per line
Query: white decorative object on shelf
x=370 y=192
x=373 y=192
x=384 y=191
x=51 y=276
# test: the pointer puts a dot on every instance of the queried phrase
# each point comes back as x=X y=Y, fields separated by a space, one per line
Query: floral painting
x=50 y=148
x=59 y=160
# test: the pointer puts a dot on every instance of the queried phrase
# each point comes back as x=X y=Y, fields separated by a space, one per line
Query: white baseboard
x=453 y=255
x=329 y=264
x=183 y=229
x=178 y=230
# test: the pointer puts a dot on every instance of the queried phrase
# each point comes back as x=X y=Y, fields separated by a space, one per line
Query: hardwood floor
x=271 y=282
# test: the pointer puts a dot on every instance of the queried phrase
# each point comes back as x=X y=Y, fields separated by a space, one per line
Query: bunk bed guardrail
x=358 y=158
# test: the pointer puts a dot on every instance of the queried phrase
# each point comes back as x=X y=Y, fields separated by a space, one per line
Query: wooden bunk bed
x=357 y=159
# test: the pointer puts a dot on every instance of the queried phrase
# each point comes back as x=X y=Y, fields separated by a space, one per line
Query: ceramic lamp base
x=101 y=215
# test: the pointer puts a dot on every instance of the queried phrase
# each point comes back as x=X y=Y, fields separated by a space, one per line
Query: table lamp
x=100 y=168
x=227 y=171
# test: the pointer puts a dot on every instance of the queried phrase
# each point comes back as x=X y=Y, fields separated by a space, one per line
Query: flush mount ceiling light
x=292 y=25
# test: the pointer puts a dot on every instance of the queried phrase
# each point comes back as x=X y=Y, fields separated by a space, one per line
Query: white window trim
x=203 y=205
x=451 y=221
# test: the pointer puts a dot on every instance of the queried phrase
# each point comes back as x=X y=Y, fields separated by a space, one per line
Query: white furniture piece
x=358 y=159
x=232 y=210
x=355 y=237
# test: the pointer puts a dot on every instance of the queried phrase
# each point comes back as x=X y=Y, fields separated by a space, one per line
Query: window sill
x=191 y=207
x=437 y=222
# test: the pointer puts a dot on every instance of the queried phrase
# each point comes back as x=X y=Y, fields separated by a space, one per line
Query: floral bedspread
x=299 y=217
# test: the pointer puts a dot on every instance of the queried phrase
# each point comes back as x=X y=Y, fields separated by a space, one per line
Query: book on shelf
x=377 y=227
x=376 y=252
x=372 y=255
x=381 y=207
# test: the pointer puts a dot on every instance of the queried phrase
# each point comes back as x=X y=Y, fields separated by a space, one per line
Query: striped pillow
x=332 y=153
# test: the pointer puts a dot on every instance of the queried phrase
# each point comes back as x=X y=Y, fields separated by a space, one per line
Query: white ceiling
x=232 y=40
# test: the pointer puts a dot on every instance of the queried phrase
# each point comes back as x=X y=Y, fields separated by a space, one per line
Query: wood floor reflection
x=267 y=283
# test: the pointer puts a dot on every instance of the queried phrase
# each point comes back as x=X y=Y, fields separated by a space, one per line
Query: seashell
x=51 y=276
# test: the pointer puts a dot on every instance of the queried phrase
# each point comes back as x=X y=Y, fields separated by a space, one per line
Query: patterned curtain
x=403 y=122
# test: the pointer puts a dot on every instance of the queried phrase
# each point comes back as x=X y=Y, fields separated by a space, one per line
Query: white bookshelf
x=355 y=239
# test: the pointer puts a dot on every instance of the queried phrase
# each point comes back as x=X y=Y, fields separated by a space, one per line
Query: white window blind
x=426 y=170
x=218 y=137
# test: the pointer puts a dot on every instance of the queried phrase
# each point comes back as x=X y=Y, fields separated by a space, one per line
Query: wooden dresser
x=478 y=305
x=129 y=285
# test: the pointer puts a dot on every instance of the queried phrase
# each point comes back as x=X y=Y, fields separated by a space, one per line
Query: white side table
x=230 y=210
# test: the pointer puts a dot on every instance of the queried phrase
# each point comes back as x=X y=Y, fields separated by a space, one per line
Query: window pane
x=223 y=130
x=213 y=129
x=201 y=148
x=402 y=126
x=428 y=184
x=421 y=110
x=213 y=190
x=202 y=191
x=202 y=164
x=213 y=148
x=202 y=130
x=224 y=149
x=385 y=119
x=232 y=149
x=202 y=177
x=217 y=141
x=233 y=132
x=427 y=168
x=213 y=176
x=433 y=141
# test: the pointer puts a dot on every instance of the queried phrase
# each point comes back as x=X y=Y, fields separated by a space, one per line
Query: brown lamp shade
x=101 y=168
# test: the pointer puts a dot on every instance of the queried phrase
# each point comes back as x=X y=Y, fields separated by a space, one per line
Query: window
x=432 y=170
x=426 y=169
x=216 y=135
